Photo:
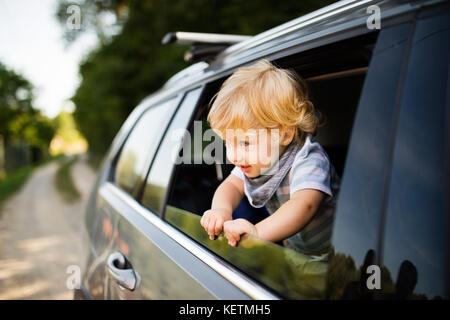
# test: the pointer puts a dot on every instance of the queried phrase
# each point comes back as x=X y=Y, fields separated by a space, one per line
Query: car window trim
x=139 y=189
x=114 y=159
x=172 y=173
x=223 y=268
x=140 y=193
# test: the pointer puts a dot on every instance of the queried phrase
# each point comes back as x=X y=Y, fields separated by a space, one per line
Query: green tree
x=66 y=127
x=34 y=129
x=19 y=121
x=16 y=95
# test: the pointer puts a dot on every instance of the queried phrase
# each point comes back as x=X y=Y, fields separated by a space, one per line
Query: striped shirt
x=311 y=169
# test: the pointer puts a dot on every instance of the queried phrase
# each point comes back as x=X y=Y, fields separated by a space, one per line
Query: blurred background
x=70 y=73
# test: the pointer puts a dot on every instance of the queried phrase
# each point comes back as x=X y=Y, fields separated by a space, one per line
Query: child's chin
x=251 y=174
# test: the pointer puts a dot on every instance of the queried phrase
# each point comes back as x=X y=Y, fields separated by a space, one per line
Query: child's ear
x=287 y=135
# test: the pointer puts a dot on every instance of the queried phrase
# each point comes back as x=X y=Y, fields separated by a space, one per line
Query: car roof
x=332 y=19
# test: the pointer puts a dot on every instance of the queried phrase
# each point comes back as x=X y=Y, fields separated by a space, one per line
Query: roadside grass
x=16 y=179
x=13 y=182
x=64 y=182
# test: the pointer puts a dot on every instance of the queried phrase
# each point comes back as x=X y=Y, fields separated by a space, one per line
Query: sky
x=31 y=44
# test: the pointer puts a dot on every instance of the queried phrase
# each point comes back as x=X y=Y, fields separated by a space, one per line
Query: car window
x=286 y=271
x=289 y=273
x=415 y=246
x=358 y=215
x=161 y=169
x=142 y=143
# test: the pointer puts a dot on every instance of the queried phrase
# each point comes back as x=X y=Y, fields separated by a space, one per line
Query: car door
x=146 y=260
x=415 y=245
x=122 y=171
x=392 y=216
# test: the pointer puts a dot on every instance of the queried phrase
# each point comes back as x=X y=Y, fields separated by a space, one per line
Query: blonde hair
x=263 y=96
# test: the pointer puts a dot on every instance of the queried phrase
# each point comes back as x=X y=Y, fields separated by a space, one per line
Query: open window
x=196 y=178
x=335 y=75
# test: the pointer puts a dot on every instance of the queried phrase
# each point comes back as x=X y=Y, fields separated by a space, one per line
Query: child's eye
x=244 y=143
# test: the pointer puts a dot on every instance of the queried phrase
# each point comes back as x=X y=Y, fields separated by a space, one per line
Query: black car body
x=385 y=94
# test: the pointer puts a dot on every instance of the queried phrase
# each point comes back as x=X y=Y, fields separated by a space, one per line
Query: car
x=384 y=91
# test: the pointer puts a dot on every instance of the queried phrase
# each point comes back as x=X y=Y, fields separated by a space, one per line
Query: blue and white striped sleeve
x=311 y=172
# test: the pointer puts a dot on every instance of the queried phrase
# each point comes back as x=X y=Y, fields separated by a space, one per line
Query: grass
x=64 y=182
x=13 y=182
x=16 y=179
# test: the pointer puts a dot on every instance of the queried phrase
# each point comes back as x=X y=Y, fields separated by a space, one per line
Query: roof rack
x=204 y=46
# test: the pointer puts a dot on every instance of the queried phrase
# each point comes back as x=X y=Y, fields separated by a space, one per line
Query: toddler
x=263 y=115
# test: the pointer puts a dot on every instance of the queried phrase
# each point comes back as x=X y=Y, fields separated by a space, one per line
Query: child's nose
x=235 y=155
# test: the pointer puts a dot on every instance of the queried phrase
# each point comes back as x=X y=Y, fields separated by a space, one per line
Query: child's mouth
x=245 y=168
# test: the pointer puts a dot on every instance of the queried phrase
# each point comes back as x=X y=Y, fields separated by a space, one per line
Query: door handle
x=122 y=272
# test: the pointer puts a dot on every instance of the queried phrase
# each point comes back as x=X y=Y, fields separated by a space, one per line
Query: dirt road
x=40 y=236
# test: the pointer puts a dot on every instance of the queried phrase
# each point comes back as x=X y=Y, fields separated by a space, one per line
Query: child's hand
x=235 y=228
x=213 y=220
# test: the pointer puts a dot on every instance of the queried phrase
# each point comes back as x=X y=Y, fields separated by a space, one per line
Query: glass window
x=160 y=172
x=197 y=176
x=358 y=214
x=415 y=248
x=142 y=144
x=284 y=270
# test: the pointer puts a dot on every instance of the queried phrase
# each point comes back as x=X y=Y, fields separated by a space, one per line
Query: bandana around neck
x=261 y=188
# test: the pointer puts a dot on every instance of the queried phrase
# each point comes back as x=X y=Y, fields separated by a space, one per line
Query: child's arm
x=291 y=217
x=226 y=198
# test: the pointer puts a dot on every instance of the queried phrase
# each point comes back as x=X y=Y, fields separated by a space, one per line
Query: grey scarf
x=261 y=188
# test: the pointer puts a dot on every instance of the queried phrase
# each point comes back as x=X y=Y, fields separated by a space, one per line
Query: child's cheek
x=230 y=152
x=252 y=155
x=229 y=155
x=266 y=155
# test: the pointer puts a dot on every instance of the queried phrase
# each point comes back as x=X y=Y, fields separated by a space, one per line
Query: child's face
x=253 y=150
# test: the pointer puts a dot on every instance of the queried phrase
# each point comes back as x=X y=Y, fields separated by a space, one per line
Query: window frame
x=141 y=189
x=223 y=76
x=111 y=176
